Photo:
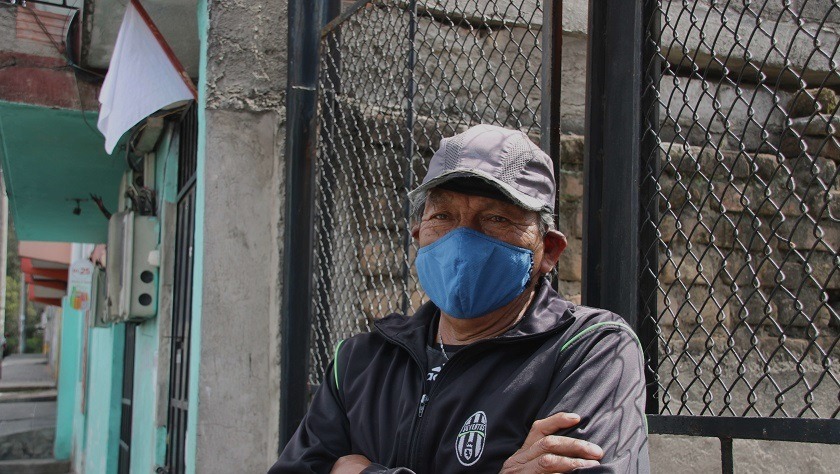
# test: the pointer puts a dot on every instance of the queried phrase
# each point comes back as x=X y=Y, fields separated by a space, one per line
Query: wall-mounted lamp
x=77 y=211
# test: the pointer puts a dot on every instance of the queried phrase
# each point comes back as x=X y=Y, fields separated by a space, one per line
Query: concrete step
x=26 y=386
x=30 y=396
x=34 y=466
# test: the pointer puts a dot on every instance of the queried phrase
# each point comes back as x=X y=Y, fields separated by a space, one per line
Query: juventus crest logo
x=470 y=442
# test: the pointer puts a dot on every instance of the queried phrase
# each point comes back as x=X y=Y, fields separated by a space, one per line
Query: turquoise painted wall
x=148 y=439
x=104 y=394
x=72 y=327
x=90 y=394
x=80 y=407
x=143 y=429
x=198 y=262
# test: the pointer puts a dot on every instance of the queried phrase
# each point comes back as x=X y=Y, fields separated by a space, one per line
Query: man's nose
x=470 y=221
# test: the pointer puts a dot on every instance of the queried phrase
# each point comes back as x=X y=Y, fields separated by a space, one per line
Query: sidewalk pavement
x=25 y=378
x=27 y=409
x=21 y=371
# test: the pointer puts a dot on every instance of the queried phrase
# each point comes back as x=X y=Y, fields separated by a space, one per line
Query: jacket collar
x=547 y=312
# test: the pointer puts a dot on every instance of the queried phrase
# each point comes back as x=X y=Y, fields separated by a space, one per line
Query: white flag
x=141 y=79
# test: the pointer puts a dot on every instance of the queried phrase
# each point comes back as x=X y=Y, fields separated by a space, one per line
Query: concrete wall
x=239 y=237
x=148 y=443
x=694 y=455
x=104 y=396
x=80 y=408
x=72 y=326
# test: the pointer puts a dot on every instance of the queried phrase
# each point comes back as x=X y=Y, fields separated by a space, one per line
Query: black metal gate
x=711 y=202
x=393 y=78
x=712 y=209
x=127 y=400
x=182 y=303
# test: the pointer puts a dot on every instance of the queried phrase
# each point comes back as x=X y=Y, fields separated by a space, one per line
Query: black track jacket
x=375 y=401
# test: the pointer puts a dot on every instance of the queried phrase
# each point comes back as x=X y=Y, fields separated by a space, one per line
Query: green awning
x=51 y=157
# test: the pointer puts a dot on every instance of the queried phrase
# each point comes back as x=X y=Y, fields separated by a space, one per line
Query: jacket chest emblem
x=471 y=439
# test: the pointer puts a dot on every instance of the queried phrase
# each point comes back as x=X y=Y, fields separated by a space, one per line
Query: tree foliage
x=34 y=334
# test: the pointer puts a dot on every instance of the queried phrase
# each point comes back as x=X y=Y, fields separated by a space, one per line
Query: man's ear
x=554 y=243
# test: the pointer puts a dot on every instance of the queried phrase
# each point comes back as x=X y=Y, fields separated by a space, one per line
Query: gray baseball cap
x=506 y=159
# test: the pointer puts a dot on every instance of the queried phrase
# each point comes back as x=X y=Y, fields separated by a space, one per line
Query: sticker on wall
x=79 y=283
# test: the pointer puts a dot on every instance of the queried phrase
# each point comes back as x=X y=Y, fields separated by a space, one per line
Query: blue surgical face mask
x=468 y=274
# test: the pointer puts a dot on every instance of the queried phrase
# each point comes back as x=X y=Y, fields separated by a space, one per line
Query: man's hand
x=543 y=452
x=350 y=464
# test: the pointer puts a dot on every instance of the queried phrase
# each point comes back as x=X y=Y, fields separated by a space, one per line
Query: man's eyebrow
x=438 y=198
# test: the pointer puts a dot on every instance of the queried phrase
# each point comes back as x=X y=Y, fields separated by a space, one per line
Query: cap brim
x=520 y=199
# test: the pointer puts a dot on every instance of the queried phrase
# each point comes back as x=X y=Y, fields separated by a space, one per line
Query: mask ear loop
x=537 y=280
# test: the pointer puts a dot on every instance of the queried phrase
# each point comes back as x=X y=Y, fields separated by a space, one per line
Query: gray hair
x=418 y=204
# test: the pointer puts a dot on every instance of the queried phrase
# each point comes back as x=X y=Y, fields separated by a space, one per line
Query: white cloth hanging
x=141 y=78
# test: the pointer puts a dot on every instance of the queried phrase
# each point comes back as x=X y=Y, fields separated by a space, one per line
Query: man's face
x=447 y=210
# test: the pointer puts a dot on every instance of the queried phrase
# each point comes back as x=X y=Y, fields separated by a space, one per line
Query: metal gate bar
x=127 y=401
x=612 y=163
x=712 y=172
x=301 y=140
x=803 y=430
x=179 y=365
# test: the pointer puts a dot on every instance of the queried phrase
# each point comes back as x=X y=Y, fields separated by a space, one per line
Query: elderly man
x=497 y=372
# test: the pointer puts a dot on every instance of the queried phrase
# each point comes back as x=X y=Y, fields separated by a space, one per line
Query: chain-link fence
x=396 y=77
x=741 y=147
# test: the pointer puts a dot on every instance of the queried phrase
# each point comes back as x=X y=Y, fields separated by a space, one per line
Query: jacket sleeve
x=601 y=378
x=322 y=437
x=380 y=469
x=324 y=434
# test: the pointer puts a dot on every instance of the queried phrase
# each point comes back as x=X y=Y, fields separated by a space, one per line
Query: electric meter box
x=131 y=279
x=99 y=299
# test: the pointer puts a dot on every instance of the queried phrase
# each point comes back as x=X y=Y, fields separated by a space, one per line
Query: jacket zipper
x=424 y=398
x=414 y=446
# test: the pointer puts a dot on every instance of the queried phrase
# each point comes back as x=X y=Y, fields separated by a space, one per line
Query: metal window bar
x=178 y=406
x=736 y=214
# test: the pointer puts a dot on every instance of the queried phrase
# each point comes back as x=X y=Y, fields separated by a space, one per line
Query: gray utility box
x=132 y=279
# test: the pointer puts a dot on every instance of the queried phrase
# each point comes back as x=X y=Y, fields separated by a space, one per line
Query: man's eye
x=440 y=216
x=499 y=219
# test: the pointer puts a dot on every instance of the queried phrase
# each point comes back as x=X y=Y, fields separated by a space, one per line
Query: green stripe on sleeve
x=335 y=362
x=596 y=326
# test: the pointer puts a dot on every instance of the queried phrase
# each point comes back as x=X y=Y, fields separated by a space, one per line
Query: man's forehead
x=440 y=197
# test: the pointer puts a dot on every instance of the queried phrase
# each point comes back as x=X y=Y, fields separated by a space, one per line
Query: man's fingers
x=553 y=454
x=548 y=453
x=550 y=463
x=567 y=447
x=549 y=426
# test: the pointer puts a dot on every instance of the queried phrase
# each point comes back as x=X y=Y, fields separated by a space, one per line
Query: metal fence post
x=612 y=163
x=726 y=456
x=408 y=148
x=552 y=54
x=301 y=140
x=647 y=325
